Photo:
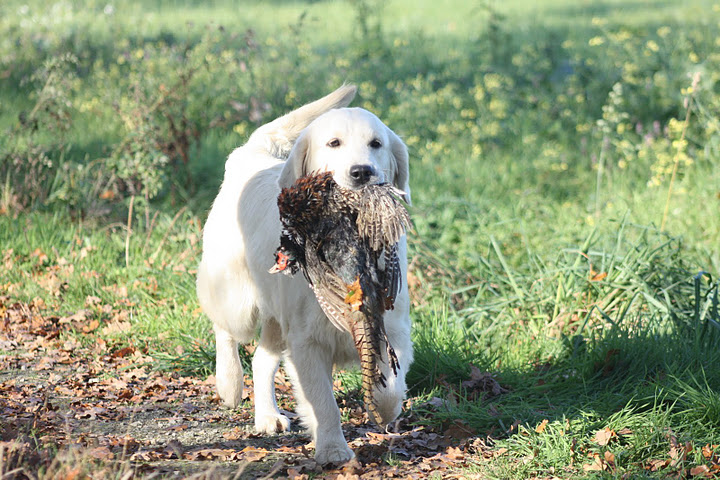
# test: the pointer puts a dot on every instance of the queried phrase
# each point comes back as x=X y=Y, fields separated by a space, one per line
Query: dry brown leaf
x=604 y=436
x=460 y=430
x=609 y=459
x=91 y=300
x=499 y=451
x=656 y=465
x=700 y=470
x=596 y=466
x=93 y=325
x=252 y=454
x=116 y=327
x=101 y=453
x=708 y=450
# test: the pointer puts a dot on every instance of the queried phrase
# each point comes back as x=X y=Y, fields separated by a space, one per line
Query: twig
x=129 y=232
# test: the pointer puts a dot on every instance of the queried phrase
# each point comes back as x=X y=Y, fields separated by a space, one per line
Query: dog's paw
x=230 y=392
x=333 y=453
x=272 y=423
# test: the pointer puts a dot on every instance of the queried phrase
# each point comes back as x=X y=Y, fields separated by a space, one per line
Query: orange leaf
x=707 y=451
x=107 y=195
x=93 y=325
x=596 y=277
x=541 y=426
x=40 y=255
x=354 y=296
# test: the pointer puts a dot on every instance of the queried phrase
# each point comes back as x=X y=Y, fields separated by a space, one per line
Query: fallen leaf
x=499 y=451
x=460 y=431
x=93 y=325
x=101 y=453
x=123 y=352
x=252 y=454
x=541 y=426
x=42 y=258
x=454 y=453
x=656 y=465
x=700 y=470
x=597 y=277
x=708 y=450
x=604 y=436
x=116 y=327
x=91 y=300
x=596 y=466
x=609 y=459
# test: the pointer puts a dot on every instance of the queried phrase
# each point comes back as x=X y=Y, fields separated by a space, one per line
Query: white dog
x=239 y=295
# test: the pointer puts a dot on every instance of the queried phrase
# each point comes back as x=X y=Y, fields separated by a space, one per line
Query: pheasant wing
x=329 y=291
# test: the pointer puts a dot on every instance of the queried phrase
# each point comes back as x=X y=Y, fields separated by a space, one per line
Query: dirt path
x=77 y=401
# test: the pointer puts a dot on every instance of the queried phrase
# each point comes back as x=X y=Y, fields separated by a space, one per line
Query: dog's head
x=353 y=144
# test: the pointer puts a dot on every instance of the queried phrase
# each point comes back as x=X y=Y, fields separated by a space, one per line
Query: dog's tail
x=278 y=136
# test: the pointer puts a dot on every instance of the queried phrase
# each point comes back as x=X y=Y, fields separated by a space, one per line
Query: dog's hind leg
x=229 y=371
x=268 y=418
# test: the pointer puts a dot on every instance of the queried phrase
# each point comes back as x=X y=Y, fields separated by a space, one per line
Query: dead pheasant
x=345 y=242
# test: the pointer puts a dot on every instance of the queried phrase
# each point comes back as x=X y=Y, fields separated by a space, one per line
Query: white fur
x=239 y=295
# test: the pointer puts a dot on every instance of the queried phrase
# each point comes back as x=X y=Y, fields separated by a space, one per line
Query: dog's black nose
x=361 y=174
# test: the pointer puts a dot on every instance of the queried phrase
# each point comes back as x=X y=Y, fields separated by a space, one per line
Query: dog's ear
x=402 y=167
x=296 y=164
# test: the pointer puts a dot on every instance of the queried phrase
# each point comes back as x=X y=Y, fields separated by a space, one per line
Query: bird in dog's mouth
x=345 y=241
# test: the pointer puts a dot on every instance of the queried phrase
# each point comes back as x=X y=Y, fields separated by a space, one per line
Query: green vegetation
x=565 y=259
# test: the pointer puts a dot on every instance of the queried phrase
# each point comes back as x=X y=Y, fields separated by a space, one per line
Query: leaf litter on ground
x=64 y=386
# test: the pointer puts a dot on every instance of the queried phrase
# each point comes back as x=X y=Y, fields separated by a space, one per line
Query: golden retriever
x=240 y=296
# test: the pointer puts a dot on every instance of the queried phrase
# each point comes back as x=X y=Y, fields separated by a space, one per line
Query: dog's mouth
x=359 y=176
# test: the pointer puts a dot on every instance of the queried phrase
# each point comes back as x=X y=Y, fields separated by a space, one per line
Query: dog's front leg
x=310 y=367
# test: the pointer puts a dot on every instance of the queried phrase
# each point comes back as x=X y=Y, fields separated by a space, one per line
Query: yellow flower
x=595 y=41
x=240 y=129
x=652 y=46
x=663 y=31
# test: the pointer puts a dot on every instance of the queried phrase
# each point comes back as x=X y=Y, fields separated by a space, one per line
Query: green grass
x=542 y=138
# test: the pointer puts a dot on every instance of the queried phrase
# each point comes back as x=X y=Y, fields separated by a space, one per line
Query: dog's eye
x=375 y=143
x=334 y=143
